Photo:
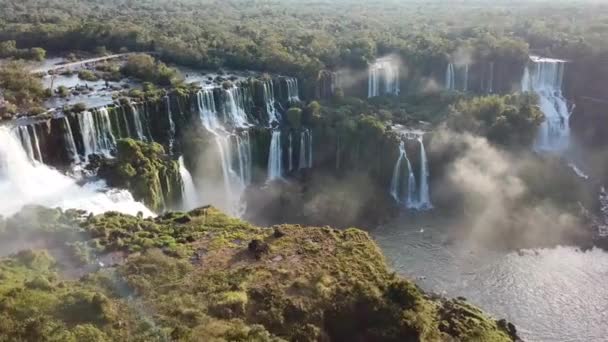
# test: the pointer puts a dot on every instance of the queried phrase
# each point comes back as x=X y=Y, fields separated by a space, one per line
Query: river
x=556 y=294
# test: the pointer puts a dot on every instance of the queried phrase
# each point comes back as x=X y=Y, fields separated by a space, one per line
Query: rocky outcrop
x=197 y=279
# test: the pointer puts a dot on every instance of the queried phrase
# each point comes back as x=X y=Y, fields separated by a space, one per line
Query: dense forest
x=289 y=37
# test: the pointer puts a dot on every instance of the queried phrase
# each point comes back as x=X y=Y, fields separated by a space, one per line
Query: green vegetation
x=232 y=282
x=146 y=171
x=20 y=91
x=88 y=75
x=511 y=120
x=147 y=69
x=8 y=49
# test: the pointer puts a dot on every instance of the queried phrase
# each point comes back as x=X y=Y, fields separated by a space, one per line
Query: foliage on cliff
x=510 y=120
x=234 y=282
x=20 y=91
x=147 y=171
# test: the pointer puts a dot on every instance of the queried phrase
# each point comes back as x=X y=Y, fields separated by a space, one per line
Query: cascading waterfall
x=450 y=82
x=411 y=200
x=243 y=147
x=234 y=108
x=417 y=198
x=139 y=128
x=234 y=182
x=88 y=132
x=69 y=139
x=30 y=183
x=190 y=195
x=455 y=81
x=171 y=124
x=544 y=77
x=305 y=150
x=309 y=133
x=290 y=152
x=292 y=90
x=26 y=141
x=275 y=157
x=269 y=99
x=107 y=139
x=383 y=78
x=424 y=201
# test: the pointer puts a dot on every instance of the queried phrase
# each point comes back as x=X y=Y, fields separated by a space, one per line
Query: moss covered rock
x=147 y=171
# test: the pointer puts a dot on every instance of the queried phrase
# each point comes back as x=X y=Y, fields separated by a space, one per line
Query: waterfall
x=544 y=77
x=107 y=140
x=30 y=183
x=457 y=77
x=305 y=150
x=269 y=99
x=88 y=132
x=309 y=134
x=234 y=182
x=450 y=77
x=275 y=160
x=243 y=147
x=292 y=89
x=424 y=199
x=234 y=110
x=383 y=78
x=68 y=136
x=26 y=142
x=302 y=163
x=207 y=110
x=395 y=190
x=139 y=129
x=171 y=124
x=189 y=194
x=290 y=152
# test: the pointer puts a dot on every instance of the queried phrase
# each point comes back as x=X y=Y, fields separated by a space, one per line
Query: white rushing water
x=383 y=78
x=544 y=77
x=235 y=111
x=273 y=115
x=305 y=160
x=171 y=124
x=424 y=201
x=450 y=77
x=457 y=77
x=36 y=183
x=413 y=197
x=396 y=190
x=190 y=195
x=275 y=157
x=104 y=130
x=292 y=89
x=235 y=177
x=139 y=128
x=68 y=136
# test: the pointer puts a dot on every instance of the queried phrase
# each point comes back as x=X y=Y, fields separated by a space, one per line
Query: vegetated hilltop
x=203 y=276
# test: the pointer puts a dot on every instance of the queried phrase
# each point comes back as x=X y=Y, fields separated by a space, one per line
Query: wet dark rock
x=509 y=328
x=278 y=233
x=258 y=248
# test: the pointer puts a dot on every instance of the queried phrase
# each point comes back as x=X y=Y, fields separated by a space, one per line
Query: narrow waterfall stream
x=275 y=157
x=190 y=195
